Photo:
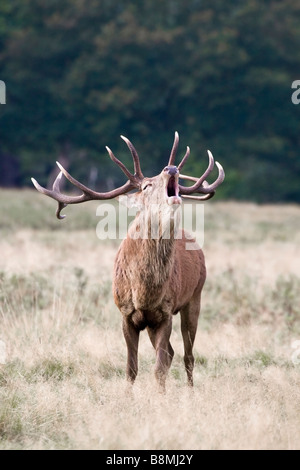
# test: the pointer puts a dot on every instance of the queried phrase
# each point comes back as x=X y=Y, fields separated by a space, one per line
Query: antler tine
x=190 y=178
x=136 y=161
x=174 y=149
x=204 y=185
x=201 y=186
x=119 y=163
x=199 y=198
x=187 y=154
x=55 y=190
x=221 y=176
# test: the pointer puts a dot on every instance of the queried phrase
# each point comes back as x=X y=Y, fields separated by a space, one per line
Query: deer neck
x=153 y=244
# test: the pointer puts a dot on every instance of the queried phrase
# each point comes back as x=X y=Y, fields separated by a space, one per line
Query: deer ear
x=130 y=201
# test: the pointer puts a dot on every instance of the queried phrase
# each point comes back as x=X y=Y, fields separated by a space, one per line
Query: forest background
x=80 y=73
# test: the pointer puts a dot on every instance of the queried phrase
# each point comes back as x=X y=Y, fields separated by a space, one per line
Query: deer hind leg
x=160 y=339
x=131 y=335
x=189 y=322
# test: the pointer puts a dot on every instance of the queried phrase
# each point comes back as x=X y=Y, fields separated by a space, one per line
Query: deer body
x=148 y=275
x=155 y=275
x=153 y=280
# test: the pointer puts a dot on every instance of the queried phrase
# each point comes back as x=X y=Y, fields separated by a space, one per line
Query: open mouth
x=172 y=191
x=172 y=187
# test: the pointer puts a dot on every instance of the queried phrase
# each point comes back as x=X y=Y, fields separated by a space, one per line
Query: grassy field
x=62 y=381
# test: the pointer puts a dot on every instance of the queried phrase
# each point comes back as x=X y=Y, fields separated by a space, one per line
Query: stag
x=154 y=277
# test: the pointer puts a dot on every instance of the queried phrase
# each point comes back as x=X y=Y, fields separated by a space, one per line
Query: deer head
x=161 y=189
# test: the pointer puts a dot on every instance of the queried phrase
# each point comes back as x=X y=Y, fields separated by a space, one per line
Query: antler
x=134 y=182
x=201 y=185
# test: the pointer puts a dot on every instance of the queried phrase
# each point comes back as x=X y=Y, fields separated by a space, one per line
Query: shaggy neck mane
x=154 y=255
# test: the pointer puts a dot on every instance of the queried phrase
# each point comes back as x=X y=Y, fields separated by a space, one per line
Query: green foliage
x=109 y=371
x=10 y=418
x=79 y=73
x=30 y=292
x=51 y=369
x=201 y=361
x=245 y=301
x=262 y=359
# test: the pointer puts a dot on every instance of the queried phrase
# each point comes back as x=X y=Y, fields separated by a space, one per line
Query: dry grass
x=63 y=384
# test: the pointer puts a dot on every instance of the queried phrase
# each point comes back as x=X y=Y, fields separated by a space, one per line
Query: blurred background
x=79 y=73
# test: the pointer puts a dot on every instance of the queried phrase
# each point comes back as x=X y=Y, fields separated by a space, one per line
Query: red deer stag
x=154 y=277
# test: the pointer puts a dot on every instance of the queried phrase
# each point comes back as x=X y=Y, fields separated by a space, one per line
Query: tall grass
x=62 y=384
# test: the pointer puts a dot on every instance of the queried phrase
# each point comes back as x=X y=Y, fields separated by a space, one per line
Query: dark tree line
x=79 y=73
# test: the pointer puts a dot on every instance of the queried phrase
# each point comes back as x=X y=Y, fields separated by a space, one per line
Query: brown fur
x=153 y=280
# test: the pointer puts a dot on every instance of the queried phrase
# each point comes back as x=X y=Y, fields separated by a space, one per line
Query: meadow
x=62 y=370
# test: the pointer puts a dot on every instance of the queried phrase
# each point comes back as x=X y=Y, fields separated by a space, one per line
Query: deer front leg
x=131 y=335
x=160 y=338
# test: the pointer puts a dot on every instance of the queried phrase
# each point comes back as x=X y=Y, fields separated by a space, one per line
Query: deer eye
x=146 y=186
